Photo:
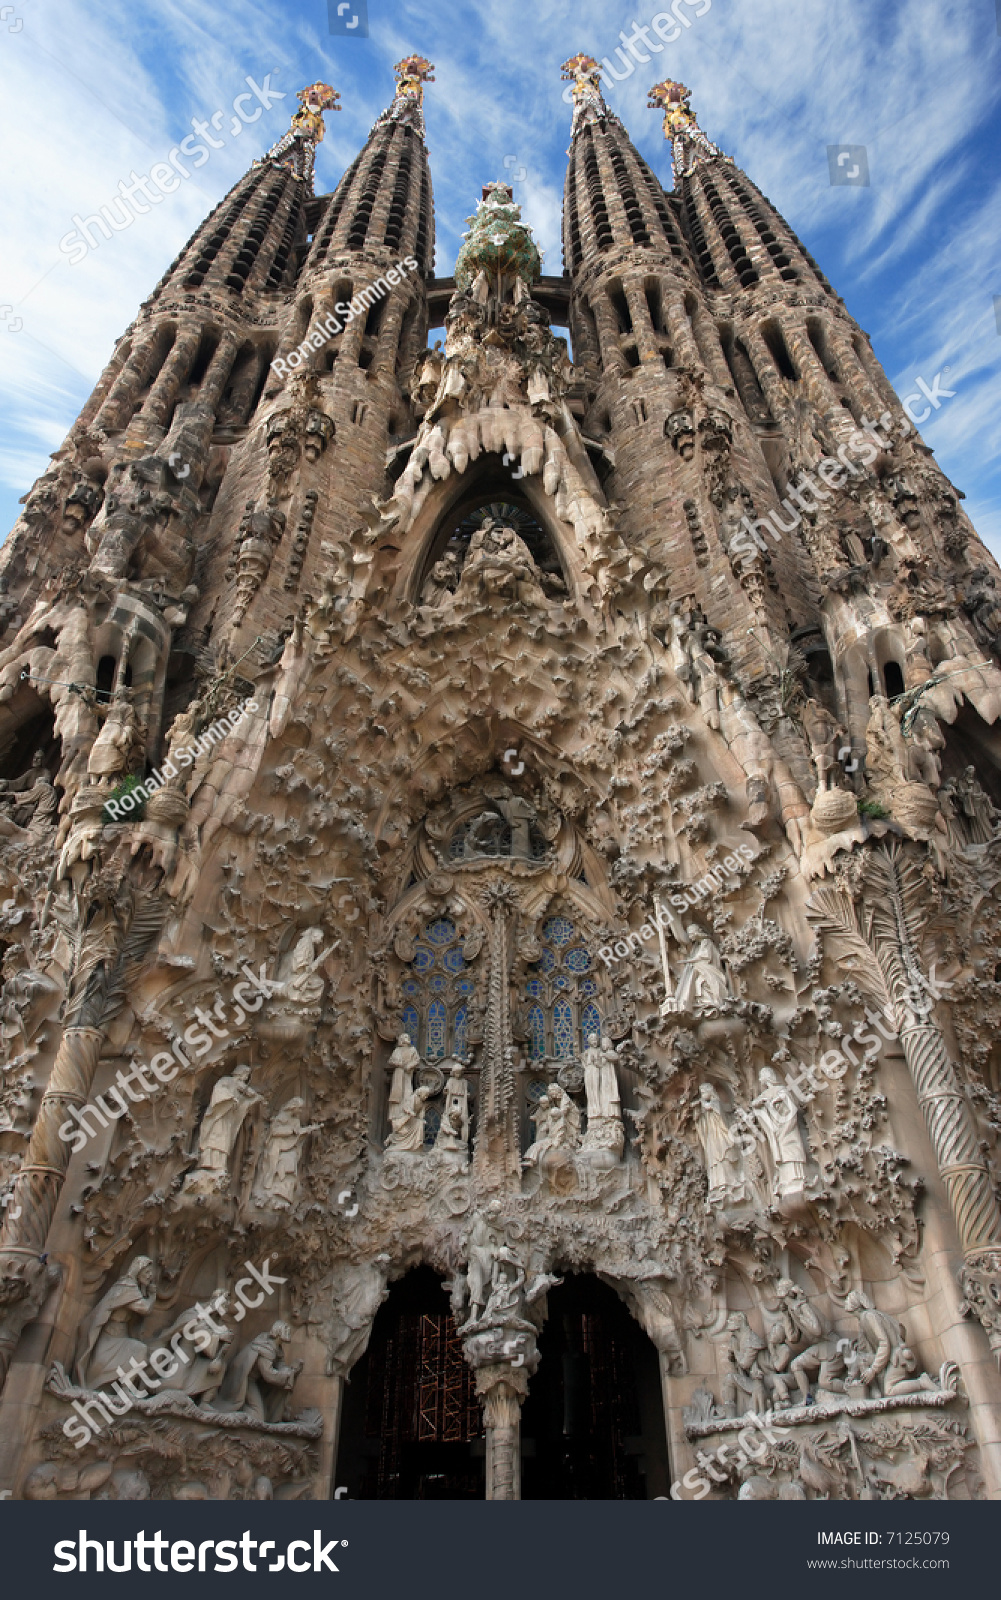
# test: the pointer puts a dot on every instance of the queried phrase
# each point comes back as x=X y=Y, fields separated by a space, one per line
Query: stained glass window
x=562 y=997
x=437 y=991
x=563 y=1030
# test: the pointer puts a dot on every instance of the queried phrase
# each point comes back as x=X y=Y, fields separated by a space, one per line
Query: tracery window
x=437 y=994
x=561 y=994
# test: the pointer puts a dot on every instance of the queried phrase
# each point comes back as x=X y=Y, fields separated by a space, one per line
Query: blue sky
x=95 y=90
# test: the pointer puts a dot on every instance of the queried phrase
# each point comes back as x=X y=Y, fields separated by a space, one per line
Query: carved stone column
x=160 y=400
x=944 y=1105
x=502 y=1389
x=497 y=1155
x=38 y=1185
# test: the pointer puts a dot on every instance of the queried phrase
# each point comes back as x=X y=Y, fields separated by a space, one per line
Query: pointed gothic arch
x=450 y=512
x=412 y=1426
x=592 y=1425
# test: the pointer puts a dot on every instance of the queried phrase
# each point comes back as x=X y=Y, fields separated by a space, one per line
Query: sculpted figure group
x=803 y=1361
x=191 y=1356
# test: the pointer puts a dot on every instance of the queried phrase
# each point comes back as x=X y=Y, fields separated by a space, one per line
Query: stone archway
x=412 y=1426
x=592 y=1425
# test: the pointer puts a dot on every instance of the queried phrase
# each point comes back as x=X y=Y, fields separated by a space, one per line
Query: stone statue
x=257 y=1381
x=885 y=752
x=499 y=564
x=318 y=434
x=824 y=1357
x=358 y=1292
x=404 y=1062
x=483 y=836
x=301 y=984
x=112 y=750
x=702 y=982
x=779 y=1117
x=519 y=814
x=105 y=1340
x=605 y=1131
x=443 y=579
x=232 y=1100
x=746 y=1375
x=408 y=1122
x=480 y=1250
x=797 y=1322
x=924 y=739
x=206 y=1353
x=557 y=1126
x=826 y=737
x=453 y=1131
x=880 y=1341
x=406 y=1104
x=278 y=1175
x=680 y=429
x=723 y=1153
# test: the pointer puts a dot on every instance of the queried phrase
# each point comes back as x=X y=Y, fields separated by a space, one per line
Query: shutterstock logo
x=349 y=17
x=849 y=164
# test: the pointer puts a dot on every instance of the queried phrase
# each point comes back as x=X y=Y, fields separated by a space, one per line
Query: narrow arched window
x=561 y=994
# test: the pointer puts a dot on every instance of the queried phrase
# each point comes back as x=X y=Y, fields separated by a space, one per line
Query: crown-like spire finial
x=583 y=73
x=412 y=73
x=689 y=144
x=297 y=147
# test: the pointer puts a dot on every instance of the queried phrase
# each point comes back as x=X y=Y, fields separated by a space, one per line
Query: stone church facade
x=500 y=881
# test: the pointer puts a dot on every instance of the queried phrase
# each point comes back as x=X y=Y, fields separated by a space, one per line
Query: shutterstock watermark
x=935 y=395
x=848 y=165
x=667 y=25
x=201 y=1037
x=329 y=327
x=186 y=755
x=72 y=1554
x=688 y=895
x=780 y=1109
x=166 y=1360
x=746 y=1451
x=348 y=17
x=164 y=177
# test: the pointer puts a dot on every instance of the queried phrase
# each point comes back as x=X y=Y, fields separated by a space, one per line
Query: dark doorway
x=412 y=1427
x=592 y=1426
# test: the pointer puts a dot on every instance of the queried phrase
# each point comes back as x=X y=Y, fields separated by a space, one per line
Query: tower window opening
x=653 y=300
x=373 y=321
x=620 y=306
x=772 y=335
x=105 y=681
x=893 y=678
x=207 y=347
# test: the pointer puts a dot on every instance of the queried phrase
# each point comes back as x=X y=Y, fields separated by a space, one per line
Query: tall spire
x=408 y=102
x=296 y=149
x=688 y=143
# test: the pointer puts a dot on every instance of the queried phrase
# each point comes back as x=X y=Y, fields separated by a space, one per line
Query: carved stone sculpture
x=232 y=1101
x=604 y=1134
x=278 y=1174
x=258 y=1381
x=779 y=1117
x=107 y=1340
x=723 y=1153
